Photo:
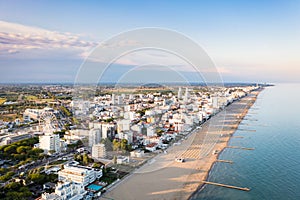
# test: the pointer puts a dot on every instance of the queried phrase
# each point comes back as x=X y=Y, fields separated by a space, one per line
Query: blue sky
x=252 y=41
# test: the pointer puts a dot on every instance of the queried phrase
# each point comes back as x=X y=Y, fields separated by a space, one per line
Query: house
x=137 y=153
x=151 y=147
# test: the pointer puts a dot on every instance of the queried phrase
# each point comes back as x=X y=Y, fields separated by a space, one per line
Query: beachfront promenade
x=163 y=178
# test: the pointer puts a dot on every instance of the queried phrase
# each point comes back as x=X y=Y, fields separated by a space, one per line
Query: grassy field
x=2 y=101
x=31 y=98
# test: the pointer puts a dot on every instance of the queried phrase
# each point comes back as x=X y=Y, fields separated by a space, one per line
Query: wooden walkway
x=236 y=147
x=227 y=186
x=225 y=161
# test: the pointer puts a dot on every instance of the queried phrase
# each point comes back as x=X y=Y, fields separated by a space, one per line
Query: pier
x=237 y=137
x=227 y=186
x=250 y=119
x=243 y=148
x=248 y=130
x=225 y=161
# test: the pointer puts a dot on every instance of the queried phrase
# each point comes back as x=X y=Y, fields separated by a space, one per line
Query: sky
x=248 y=41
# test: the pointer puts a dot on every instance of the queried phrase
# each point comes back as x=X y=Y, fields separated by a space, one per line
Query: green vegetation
x=72 y=147
x=121 y=145
x=7 y=176
x=109 y=176
x=2 y=101
x=142 y=112
x=83 y=159
x=108 y=120
x=15 y=191
x=22 y=151
x=97 y=165
x=60 y=133
x=75 y=121
x=65 y=111
x=31 y=98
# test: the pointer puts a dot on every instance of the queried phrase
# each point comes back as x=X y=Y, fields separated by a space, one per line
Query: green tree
x=23 y=149
x=97 y=165
x=10 y=149
x=6 y=176
x=123 y=144
x=12 y=186
x=85 y=159
x=116 y=145
x=37 y=178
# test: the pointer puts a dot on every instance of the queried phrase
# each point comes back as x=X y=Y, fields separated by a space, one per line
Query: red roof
x=151 y=144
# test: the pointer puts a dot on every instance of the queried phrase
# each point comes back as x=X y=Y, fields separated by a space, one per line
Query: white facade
x=50 y=142
x=94 y=136
x=123 y=125
x=69 y=190
x=150 y=131
x=179 y=93
x=137 y=153
x=108 y=129
x=98 y=151
x=79 y=174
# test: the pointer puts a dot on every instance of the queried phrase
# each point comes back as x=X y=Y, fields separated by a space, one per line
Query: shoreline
x=201 y=186
x=183 y=180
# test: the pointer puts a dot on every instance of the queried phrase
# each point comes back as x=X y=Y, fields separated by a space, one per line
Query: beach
x=163 y=178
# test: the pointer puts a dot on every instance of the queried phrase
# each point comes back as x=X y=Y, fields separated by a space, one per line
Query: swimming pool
x=94 y=187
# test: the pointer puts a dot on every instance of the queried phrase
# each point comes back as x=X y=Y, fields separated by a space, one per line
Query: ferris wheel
x=48 y=122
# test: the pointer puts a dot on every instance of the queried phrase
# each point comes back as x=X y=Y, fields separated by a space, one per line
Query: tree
x=116 y=145
x=10 y=149
x=108 y=144
x=23 y=149
x=37 y=178
x=6 y=176
x=97 y=165
x=52 y=151
x=85 y=159
x=12 y=186
x=123 y=144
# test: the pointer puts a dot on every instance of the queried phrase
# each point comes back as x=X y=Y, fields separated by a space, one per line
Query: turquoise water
x=94 y=187
x=272 y=170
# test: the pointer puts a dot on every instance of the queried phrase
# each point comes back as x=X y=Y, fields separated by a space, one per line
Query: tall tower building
x=179 y=93
x=187 y=95
x=113 y=99
x=98 y=151
x=94 y=136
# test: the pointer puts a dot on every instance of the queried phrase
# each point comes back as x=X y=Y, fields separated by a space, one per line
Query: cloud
x=20 y=39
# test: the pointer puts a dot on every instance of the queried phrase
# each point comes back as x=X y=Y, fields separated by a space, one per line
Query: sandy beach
x=163 y=178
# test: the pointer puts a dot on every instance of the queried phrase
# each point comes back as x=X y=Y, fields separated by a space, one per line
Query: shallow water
x=272 y=170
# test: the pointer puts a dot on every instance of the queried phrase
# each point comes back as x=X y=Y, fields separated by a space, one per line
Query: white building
x=70 y=190
x=113 y=99
x=150 y=131
x=120 y=100
x=47 y=196
x=187 y=95
x=123 y=125
x=50 y=142
x=108 y=130
x=94 y=137
x=66 y=191
x=137 y=153
x=98 y=151
x=79 y=174
x=215 y=102
x=127 y=135
x=179 y=93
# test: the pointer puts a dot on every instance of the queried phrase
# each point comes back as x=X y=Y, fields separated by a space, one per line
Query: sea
x=272 y=169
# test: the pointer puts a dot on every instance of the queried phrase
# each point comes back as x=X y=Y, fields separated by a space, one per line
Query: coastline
x=182 y=180
x=250 y=104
